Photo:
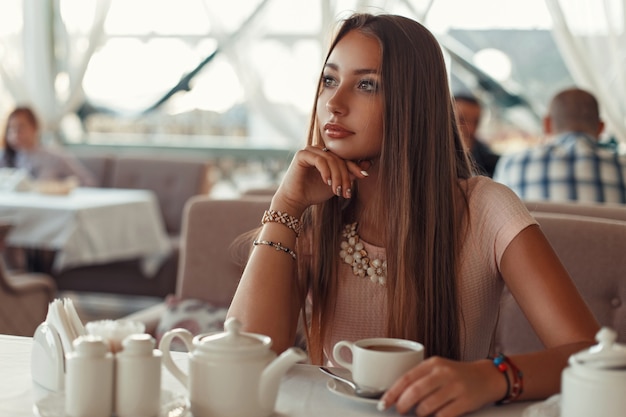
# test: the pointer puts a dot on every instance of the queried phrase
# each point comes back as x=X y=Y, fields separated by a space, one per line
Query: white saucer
x=172 y=405
x=343 y=390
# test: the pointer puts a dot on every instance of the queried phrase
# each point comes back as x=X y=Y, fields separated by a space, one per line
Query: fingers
x=338 y=173
x=364 y=165
x=314 y=176
x=435 y=387
x=410 y=389
x=339 y=179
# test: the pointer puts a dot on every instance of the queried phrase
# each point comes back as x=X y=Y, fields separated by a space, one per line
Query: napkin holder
x=48 y=358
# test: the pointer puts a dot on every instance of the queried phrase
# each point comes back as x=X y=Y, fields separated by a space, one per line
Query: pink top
x=497 y=215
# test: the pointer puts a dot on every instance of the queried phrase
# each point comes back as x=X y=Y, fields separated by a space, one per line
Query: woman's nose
x=336 y=103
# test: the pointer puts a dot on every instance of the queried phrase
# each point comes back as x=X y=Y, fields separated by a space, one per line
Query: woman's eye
x=368 y=85
x=328 y=81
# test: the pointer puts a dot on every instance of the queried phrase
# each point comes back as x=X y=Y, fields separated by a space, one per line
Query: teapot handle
x=164 y=346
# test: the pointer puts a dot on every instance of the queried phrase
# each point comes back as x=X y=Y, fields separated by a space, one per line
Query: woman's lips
x=336 y=131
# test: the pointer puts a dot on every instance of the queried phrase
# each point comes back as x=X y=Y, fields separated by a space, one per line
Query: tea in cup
x=378 y=362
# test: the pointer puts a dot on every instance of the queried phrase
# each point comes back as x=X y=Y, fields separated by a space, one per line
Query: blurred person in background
x=23 y=150
x=572 y=165
x=468 y=113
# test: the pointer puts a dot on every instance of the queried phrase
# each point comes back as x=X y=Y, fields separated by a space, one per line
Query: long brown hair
x=9 y=151
x=421 y=162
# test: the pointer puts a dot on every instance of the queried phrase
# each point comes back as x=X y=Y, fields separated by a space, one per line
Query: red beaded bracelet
x=513 y=388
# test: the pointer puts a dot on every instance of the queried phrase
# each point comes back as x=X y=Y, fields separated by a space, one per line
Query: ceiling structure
x=255 y=61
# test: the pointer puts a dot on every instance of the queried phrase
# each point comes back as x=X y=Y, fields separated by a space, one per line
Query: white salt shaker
x=89 y=378
x=138 y=377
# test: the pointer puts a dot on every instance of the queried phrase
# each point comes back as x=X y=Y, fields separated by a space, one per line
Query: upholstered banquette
x=174 y=181
x=592 y=250
x=215 y=244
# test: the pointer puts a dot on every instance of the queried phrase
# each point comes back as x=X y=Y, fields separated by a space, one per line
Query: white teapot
x=231 y=374
x=594 y=383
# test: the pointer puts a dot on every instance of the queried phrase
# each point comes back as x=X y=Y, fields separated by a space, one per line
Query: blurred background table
x=88 y=226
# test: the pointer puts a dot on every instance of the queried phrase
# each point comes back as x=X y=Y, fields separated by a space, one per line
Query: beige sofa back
x=100 y=166
x=601 y=210
x=173 y=181
x=593 y=252
x=213 y=251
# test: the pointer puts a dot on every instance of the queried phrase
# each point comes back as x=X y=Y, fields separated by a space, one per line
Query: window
x=252 y=65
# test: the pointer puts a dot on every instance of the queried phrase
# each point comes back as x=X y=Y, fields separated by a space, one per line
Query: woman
x=384 y=167
x=23 y=150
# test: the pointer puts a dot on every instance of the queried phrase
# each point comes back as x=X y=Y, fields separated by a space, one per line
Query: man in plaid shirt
x=572 y=165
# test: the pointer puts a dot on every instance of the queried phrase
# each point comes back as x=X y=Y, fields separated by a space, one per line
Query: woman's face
x=350 y=105
x=21 y=133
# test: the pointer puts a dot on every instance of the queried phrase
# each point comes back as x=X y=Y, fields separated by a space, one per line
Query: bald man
x=570 y=166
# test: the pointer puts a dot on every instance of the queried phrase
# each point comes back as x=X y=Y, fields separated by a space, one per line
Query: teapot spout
x=273 y=373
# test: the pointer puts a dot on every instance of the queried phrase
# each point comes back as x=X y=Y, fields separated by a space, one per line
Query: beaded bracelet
x=274 y=216
x=275 y=245
x=515 y=388
x=501 y=366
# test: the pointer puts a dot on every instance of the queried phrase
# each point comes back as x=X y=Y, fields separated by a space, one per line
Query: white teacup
x=378 y=362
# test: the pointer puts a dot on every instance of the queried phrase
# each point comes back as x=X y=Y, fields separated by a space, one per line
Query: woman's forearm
x=542 y=370
x=267 y=300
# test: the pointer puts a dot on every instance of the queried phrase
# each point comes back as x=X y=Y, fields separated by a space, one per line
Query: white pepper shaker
x=89 y=378
x=138 y=377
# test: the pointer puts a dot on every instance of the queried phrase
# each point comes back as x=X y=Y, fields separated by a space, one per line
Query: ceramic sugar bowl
x=231 y=374
x=594 y=383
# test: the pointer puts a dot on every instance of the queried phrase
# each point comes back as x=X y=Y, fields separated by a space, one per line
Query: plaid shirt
x=571 y=167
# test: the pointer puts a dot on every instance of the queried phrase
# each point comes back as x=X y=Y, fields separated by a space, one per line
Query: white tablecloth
x=303 y=391
x=88 y=226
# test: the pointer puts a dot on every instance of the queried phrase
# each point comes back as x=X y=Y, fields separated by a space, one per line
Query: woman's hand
x=314 y=176
x=446 y=388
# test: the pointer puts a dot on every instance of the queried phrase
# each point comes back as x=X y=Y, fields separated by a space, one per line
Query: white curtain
x=49 y=55
x=591 y=36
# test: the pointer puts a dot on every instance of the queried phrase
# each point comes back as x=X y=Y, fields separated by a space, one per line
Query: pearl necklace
x=354 y=254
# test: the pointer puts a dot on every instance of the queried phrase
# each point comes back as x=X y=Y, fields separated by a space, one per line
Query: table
x=302 y=392
x=88 y=226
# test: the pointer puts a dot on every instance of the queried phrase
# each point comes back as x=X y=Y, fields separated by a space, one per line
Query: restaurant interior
x=186 y=115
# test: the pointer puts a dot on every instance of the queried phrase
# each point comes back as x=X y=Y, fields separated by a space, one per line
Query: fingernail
x=364 y=173
x=381 y=406
x=338 y=190
x=329 y=182
x=348 y=193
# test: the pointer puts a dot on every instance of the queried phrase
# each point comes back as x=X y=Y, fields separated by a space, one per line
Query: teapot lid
x=233 y=340
x=607 y=354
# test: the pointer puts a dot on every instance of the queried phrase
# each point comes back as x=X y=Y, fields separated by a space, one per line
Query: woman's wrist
x=497 y=384
x=284 y=205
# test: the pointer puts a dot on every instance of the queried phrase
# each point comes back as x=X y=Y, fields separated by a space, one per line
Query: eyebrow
x=356 y=72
